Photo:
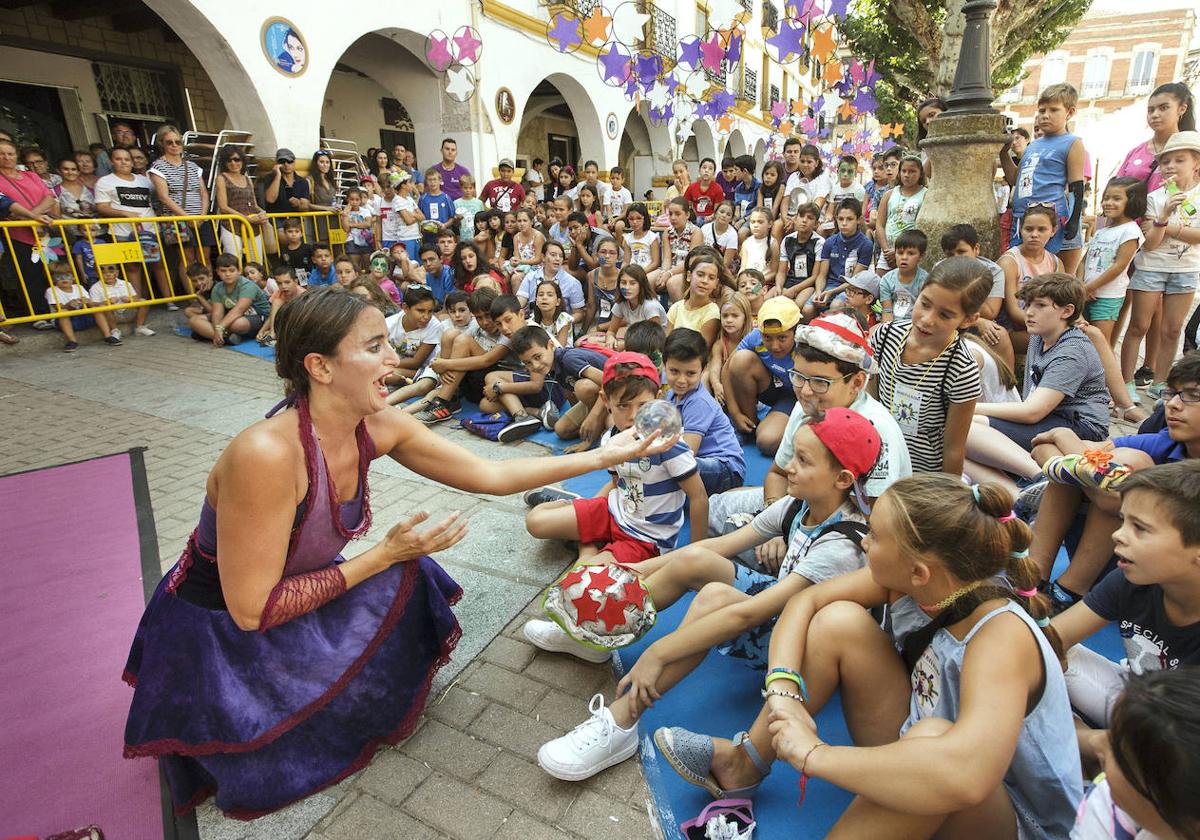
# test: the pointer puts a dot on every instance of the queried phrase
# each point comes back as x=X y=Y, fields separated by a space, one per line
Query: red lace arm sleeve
x=296 y=595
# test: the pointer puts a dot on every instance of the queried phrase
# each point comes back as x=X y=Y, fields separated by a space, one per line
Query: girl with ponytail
x=957 y=704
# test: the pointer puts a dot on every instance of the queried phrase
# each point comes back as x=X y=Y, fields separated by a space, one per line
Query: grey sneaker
x=1029 y=500
x=541 y=495
x=520 y=427
x=437 y=411
x=549 y=415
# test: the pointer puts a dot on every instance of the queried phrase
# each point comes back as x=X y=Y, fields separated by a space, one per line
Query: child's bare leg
x=417 y=389
x=553 y=521
x=770 y=432
x=687 y=569
x=68 y=330
x=846 y=650
x=201 y=325
x=140 y=313
x=624 y=709
x=568 y=425
x=103 y=323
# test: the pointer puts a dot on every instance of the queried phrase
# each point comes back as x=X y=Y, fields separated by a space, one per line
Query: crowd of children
x=907 y=412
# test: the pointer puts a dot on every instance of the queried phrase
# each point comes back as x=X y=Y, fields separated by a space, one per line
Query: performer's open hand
x=627 y=445
x=404 y=542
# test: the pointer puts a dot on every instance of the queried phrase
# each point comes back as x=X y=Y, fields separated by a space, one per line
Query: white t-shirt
x=893 y=463
x=408 y=342
x=993 y=390
x=818 y=187
x=132 y=196
x=534 y=179
x=119 y=292
x=404 y=233
x=837 y=192
x=722 y=241
x=563 y=320
x=1102 y=253
x=616 y=201
x=1172 y=256
x=639 y=247
x=630 y=316
x=602 y=191
x=56 y=298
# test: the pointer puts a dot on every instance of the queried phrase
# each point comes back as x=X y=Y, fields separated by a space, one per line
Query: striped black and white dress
x=953 y=377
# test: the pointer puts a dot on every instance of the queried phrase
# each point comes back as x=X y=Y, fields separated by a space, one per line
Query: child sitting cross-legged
x=1064 y=386
x=957 y=706
x=638 y=514
x=577 y=371
x=65 y=295
x=1152 y=596
x=735 y=607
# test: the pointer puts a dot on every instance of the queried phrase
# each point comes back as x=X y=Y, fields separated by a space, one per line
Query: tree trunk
x=952 y=38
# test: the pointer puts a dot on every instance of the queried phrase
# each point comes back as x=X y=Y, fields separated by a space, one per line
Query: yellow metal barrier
x=315 y=225
x=158 y=247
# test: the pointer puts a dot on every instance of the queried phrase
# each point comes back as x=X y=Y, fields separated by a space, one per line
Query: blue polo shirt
x=703 y=415
x=838 y=248
x=744 y=197
x=1159 y=446
x=779 y=366
x=441 y=284
x=571 y=362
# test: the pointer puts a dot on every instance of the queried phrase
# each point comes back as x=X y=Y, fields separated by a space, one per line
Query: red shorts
x=596 y=525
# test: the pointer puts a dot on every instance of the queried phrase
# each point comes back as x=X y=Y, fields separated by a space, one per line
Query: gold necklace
x=951 y=598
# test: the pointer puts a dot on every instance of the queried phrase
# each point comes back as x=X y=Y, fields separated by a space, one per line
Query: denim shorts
x=1167 y=283
x=717 y=475
x=1103 y=309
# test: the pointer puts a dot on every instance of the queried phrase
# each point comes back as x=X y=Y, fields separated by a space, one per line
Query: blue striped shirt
x=648 y=502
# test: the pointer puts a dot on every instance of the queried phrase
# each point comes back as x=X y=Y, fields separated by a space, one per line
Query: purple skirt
x=264 y=719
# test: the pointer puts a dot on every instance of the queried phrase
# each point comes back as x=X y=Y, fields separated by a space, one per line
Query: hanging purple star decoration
x=467 y=45
x=865 y=102
x=722 y=102
x=614 y=65
x=564 y=35
x=647 y=68
x=787 y=42
x=837 y=8
x=689 y=53
x=778 y=110
x=733 y=53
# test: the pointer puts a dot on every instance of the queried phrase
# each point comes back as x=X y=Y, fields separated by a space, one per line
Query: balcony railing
x=749 y=85
x=660 y=31
x=770 y=15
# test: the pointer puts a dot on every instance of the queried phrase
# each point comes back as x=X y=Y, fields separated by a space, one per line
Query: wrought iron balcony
x=660 y=30
x=770 y=15
x=749 y=85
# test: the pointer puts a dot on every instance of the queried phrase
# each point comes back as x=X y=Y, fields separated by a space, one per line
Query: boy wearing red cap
x=638 y=514
x=736 y=607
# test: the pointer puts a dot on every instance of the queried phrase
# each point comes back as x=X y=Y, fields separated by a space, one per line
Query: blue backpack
x=486 y=425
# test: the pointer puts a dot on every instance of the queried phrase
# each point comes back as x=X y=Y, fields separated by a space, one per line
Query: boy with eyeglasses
x=830 y=366
x=1083 y=470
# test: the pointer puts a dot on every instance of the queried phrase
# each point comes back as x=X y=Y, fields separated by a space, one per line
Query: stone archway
x=557 y=118
x=644 y=150
x=735 y=145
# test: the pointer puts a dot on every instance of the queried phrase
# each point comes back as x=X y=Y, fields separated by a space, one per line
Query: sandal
x=1130 y=414
x=7 y=338
x=725 y=818
x=690 y=755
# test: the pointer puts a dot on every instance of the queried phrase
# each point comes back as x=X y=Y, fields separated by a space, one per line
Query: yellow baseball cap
x=781 y=309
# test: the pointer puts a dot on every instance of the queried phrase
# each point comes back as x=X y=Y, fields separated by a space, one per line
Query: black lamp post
x=972 y=91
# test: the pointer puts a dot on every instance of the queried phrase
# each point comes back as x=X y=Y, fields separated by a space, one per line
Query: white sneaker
x=595 y=745
x=144 y=330
x=549 y=636
x=116 y=334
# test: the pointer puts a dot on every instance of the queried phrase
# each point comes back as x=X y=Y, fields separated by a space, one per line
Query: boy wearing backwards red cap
x=638 y=514
x=735 y=608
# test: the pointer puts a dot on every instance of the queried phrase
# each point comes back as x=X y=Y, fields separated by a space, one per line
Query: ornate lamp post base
x=962 y=144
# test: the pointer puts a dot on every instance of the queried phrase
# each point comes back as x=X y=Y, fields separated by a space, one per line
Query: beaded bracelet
x=788 y=674
x=775 y=692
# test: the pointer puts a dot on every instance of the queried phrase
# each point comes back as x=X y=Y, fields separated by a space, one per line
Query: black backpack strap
x=851 y=530
x=790 y=515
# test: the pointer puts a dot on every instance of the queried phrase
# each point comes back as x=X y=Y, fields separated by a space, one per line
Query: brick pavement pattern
x=469 y=771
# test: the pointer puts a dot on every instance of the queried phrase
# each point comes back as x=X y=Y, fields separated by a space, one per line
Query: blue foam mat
x=721 y=697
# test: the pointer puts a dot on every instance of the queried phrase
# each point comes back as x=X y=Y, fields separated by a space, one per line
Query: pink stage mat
x=74 y=539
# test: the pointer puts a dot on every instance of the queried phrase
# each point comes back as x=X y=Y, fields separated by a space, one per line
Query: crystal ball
x=658 y=415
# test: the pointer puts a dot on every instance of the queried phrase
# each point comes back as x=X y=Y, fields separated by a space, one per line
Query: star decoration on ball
x=596 y=26
x=613 y=613
x=460 y=83
x=587 y=608
x=437 y=50
x=564 y=32
x=629 y=24
x=467 y=45
x=615 y=65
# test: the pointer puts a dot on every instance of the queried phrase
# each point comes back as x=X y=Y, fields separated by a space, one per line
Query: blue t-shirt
x=440 y=284
x=702 y=415
x=437 y=208
x=1159 y=446
x=316 y=278
x=84 y=248
x=780 y=367
x=571 y=362
x=838 y=250
x=744 y=197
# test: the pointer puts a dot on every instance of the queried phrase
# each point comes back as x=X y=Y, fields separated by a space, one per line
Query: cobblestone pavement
x=469 y=771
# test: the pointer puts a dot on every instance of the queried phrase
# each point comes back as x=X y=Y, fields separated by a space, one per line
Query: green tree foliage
x=915 y=44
